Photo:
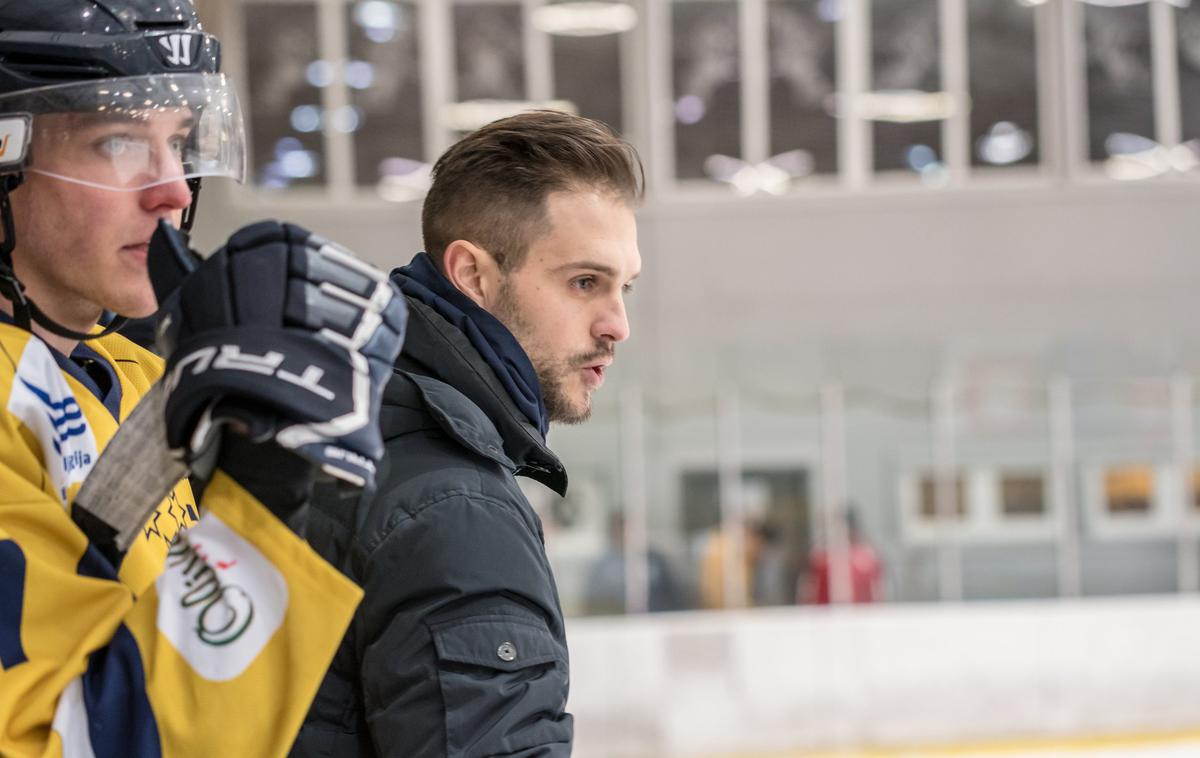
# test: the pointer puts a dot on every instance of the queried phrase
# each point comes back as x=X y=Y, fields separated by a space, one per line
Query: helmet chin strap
x=25 y=311
x=189 y=213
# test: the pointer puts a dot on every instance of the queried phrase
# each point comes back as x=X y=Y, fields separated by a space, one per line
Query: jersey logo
x=43 y=401
x=177 y=49
x=220 y=600
x=65 y=416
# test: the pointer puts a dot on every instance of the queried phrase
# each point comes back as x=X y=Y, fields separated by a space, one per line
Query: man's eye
x=116 y=146
x=627 y=288
x=584 y=282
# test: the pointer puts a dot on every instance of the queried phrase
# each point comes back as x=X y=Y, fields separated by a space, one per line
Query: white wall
x=804 y=288
x=704 y=684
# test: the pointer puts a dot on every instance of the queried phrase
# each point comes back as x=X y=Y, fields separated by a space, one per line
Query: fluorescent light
x=1003 y=144
x=773 y=176
x=901 y=106
x=584 y=19
x=1132 y=157
x=1123 y=3
x=472 y=114
x=378 y=14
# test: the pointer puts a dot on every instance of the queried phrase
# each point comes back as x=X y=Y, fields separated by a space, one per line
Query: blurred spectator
x=605 y=593
x=770 y=582
x=865 y=568
x=715 y=551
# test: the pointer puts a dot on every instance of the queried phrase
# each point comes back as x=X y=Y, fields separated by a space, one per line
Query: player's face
x=565 y=303
x=82 y=249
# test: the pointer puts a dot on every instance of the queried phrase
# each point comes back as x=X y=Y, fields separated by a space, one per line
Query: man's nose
x=172 y=195
x=613 y=324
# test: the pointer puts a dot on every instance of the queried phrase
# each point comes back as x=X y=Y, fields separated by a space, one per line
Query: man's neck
x=64 y=345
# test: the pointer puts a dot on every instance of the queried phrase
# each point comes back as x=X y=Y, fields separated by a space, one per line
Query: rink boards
x=1047 y=677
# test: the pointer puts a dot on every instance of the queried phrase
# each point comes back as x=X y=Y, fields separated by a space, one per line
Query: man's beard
x=552 y=374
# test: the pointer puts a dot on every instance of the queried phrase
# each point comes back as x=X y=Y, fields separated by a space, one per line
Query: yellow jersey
x=211 y=636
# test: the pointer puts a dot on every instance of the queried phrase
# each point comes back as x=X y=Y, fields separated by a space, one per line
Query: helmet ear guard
x=16 y=132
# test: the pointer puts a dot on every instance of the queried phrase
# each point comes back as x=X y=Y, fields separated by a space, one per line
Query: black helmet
x=45 y=42
x=141 y=61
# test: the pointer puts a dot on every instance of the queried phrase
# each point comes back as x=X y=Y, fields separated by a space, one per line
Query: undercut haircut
x=490 y=188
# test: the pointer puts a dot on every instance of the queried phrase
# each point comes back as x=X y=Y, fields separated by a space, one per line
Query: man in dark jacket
x=458 y=648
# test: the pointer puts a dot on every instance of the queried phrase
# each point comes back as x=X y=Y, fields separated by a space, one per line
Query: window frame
x=647 y=103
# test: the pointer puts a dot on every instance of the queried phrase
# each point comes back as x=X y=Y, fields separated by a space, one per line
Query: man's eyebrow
x=92 y=120
x=602 y=268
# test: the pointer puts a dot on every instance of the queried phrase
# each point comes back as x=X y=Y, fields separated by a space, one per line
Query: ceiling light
x=1124 y=3
x=470 y=115
x=1004 y=143
x=584 y=19
x=902 y=106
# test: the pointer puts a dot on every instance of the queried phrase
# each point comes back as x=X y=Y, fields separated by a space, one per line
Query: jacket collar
x=435 y=349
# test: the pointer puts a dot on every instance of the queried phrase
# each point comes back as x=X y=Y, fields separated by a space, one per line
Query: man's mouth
x=593 y=374
x=139 y=249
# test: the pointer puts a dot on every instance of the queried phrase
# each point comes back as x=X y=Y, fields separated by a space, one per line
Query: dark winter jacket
x=458 y=647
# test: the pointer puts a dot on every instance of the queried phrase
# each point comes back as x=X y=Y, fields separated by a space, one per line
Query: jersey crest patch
x=44 y=402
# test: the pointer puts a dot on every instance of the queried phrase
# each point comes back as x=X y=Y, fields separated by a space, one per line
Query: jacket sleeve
x=460 y=641
x=219 y=656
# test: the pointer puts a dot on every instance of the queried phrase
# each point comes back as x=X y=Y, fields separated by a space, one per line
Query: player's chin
x=135 y=304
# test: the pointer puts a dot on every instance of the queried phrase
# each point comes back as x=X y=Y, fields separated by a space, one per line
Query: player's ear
x=472 y=271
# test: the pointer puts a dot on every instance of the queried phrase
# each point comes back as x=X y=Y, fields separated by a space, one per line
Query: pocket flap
x=504 y=643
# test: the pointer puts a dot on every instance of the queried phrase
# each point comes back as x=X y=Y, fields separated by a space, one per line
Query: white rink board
x=774 y=681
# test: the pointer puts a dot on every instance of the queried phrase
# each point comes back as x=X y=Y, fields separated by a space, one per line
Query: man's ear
x=472 y=270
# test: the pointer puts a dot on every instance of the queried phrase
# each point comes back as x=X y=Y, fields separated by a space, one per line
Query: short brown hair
x=490 y=188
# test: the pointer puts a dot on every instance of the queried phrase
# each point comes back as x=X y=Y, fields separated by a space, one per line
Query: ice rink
x=1161 y=746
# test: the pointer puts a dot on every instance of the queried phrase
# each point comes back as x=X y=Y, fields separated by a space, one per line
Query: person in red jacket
x=865 y=569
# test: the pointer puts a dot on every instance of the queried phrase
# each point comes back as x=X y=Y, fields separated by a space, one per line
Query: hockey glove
x=287 y=338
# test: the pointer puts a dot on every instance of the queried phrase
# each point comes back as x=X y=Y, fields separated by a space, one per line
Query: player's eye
x=117 y=145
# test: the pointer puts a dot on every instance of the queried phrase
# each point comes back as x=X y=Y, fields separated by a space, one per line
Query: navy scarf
x=422 y=280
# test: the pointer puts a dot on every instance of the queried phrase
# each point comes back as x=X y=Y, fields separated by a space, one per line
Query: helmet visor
x=126 y=134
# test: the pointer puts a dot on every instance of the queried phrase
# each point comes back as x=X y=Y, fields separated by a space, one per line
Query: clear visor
x=126 y=134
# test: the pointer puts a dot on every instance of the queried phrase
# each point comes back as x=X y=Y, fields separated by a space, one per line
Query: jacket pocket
x=504 y=685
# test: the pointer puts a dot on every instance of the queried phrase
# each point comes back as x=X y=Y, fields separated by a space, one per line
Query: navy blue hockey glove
x=283 y=336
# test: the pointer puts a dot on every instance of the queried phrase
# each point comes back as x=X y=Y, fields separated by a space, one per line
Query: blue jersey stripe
x=120 y=720
x=12 y=602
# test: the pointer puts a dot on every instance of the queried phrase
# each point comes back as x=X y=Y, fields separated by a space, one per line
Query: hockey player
x=140 y=614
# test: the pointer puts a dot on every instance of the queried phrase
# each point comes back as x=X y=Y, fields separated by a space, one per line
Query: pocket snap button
x=507 y=652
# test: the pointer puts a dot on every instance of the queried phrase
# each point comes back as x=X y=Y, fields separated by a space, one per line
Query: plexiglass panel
x=1003 y=82
x=585 y=530
x=1187 y=22
x=905 y=57
x=802 y=65
x=1120 y=86
x=707 y=94
x=587 y=72
x=490 y=52
x=1129 y=500
x=285 y=76
x=384 y=84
